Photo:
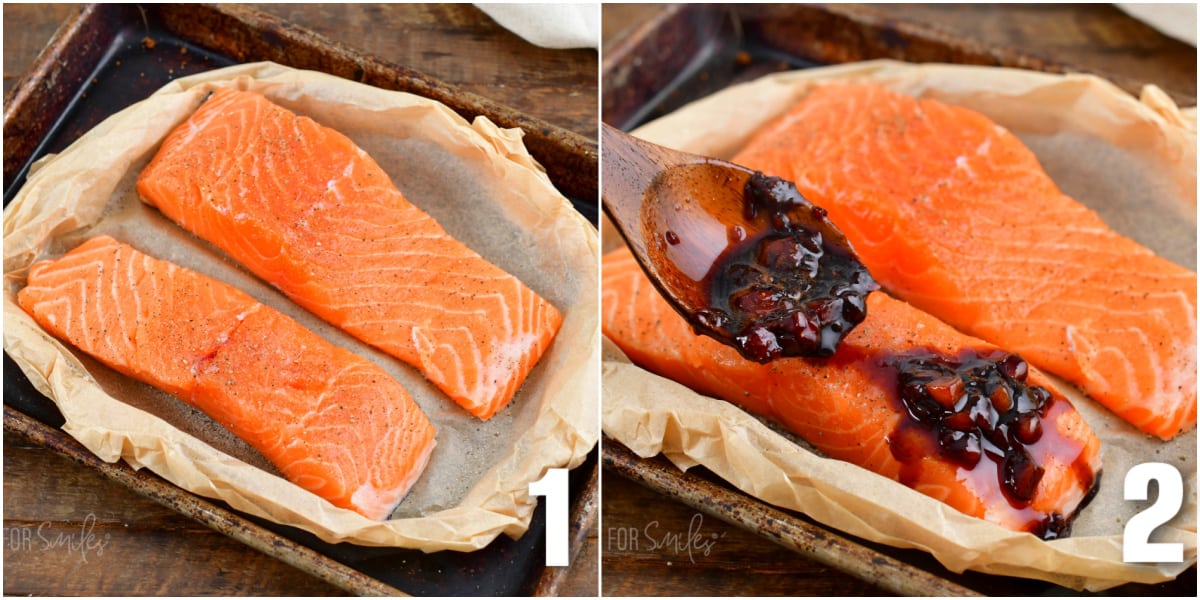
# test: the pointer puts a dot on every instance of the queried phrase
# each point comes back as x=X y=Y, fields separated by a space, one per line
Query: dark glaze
x=975 y=406
x=787 y=291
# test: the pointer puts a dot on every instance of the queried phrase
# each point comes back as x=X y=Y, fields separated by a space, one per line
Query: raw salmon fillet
x=305 y=209
x=332 y=422
x=849 y=407
x=952 y=213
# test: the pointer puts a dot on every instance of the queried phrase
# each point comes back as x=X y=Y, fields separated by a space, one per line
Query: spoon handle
x=628 y=167
x=626 y=170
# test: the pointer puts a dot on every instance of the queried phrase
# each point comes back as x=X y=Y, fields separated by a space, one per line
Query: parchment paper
x=1132 y=161
x=477 y=180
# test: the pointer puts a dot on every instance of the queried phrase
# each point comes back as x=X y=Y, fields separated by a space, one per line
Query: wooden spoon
x=744 y=257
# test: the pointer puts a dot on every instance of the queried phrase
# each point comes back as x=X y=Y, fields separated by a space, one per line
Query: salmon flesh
x=905 y=396
x=308 y=211
x=332 y=422
x=952 y=213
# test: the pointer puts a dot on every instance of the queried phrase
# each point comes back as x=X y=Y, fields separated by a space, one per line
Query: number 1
x=554 y=487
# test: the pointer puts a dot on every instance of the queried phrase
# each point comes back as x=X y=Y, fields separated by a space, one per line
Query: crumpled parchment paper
x=476 y=179
x=1133 y=161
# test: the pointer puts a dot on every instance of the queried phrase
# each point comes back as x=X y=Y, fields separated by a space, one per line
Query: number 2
x=554 y=487
x=1137 y=547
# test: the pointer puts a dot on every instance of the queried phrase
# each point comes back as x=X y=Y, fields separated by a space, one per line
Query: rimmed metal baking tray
x=687 y=52
x=99 y=62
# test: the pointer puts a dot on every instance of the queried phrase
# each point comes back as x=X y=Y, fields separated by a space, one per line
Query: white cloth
x=1175 y=20
x=556 y=26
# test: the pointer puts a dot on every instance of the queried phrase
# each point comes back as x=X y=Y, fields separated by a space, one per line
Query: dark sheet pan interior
x=110 y=63
x=695 y=50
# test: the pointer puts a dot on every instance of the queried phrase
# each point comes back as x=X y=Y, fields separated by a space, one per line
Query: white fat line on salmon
x=200 y=362
x=961 y=163
x=369 y=496
x=507 y=355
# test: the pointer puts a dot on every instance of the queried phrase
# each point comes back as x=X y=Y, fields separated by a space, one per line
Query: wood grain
x=460 y=45
x=1090 y=37
x=97 y=537
x=456 y=43
x=26 y=31
x=645 y=551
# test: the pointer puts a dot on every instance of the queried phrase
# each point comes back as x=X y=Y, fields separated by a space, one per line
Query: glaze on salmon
x=331 y=422
x=849 y=406
x=305 y=209
x=952 y=213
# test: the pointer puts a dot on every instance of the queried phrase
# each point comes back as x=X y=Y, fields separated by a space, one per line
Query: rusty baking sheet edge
x=811 y=541
x=193 y=507
x=226 y=522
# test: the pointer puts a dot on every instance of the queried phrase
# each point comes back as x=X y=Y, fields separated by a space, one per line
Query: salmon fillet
x=331 y=422
x=952 y=213
x=849 y=406
x=305 y=209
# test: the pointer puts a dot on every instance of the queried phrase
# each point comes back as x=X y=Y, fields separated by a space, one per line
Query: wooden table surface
x=638 y=526
x=69 y=531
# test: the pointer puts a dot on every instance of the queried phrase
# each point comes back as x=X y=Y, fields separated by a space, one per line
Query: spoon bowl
x=737 y=253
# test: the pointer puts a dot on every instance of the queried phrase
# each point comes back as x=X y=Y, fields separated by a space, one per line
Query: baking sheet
x=1143 y=149
x=464 y=175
